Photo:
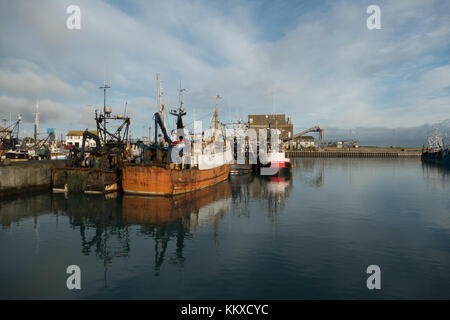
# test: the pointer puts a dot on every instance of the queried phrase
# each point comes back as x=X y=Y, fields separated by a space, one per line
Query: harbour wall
x=350 y=154
x=27 y=176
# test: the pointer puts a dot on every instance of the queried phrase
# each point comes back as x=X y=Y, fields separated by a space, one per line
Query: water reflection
x=105 y=224
x=99 y=222
x=436 y=174
x=177 y=217
x=272 y=192
x=17 y=208
x=368 y=210
x=310 y=171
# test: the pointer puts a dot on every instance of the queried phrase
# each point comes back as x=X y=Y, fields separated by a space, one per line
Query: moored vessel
x=276 y=165
x=436 y=152
x=151 y=179
x=96 y=167
x=168 y=167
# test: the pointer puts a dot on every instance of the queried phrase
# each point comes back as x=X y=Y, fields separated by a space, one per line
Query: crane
x=313 y=129
x=9 y=136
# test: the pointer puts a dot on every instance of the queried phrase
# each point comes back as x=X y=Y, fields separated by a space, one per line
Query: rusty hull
x=163 y=181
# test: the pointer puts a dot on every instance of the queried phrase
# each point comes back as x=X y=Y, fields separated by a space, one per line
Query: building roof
x=280 y=116
x=265 y=118
x=79 y=132
x=305 y=138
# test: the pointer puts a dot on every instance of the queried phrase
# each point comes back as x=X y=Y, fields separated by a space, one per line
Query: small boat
x=276 y=165
x=58 y=156
x=17 y=155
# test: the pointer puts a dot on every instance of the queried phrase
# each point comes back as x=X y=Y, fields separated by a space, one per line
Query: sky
x=315 y=61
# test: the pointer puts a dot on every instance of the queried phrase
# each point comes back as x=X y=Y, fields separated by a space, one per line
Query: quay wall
x=350 y=154
x=27 y=176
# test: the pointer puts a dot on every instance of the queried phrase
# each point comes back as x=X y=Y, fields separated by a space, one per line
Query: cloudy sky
x=316 y=61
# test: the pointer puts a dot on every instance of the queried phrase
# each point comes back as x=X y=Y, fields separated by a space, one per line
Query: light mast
x=36 y=123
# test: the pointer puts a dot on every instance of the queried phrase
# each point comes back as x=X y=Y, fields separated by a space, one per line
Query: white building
x=75 y=138
x=304 y=142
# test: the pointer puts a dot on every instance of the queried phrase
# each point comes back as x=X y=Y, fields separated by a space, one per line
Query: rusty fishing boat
x=169 y=167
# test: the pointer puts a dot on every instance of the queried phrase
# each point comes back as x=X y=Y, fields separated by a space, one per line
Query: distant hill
x=386 y=137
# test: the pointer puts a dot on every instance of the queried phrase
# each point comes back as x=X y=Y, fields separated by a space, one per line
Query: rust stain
x=153 y=180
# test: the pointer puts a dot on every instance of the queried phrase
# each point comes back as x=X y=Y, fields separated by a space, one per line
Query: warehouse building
x=272 y=121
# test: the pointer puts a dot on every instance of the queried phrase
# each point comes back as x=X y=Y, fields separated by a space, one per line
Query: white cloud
x=27 y=82
x=324 y=68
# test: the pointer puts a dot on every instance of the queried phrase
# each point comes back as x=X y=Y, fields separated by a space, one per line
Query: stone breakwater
x=27 y=176
x=350 y=154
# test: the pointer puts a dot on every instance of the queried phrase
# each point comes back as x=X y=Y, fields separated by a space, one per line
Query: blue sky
x=316 y=61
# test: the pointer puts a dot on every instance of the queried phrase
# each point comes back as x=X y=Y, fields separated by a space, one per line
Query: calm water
x=310 y=237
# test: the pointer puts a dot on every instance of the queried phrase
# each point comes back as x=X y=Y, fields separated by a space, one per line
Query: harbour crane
x=313 y=129
x=9 y=136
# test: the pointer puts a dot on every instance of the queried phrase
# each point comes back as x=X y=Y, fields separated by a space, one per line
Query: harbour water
x=311 y=237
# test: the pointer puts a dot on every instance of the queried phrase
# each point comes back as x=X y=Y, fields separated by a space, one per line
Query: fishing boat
x=158 y=173
x=58 y=154
x=149 y=179
x=95 y=168
x=276 y=165
x=436 y=152
x=17 y=155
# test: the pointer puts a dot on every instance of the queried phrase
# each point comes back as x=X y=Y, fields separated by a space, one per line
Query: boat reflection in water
x=435 y=173
x=198 y=206
x=107 y=229
x=271 y=192
x=100 y=224
x=187 y=212
x=181 y=216
x=110 y=226
x=270 y=235
x=162 y=218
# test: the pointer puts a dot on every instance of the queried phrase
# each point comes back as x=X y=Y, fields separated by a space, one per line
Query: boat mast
x=105 y=112
x=157 y=92
x=105 y=86
x=160 y=107
x=182 y=91
x=216 y=114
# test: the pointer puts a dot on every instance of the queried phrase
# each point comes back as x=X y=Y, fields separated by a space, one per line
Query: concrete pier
x=27 y=176
x=349 y=154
